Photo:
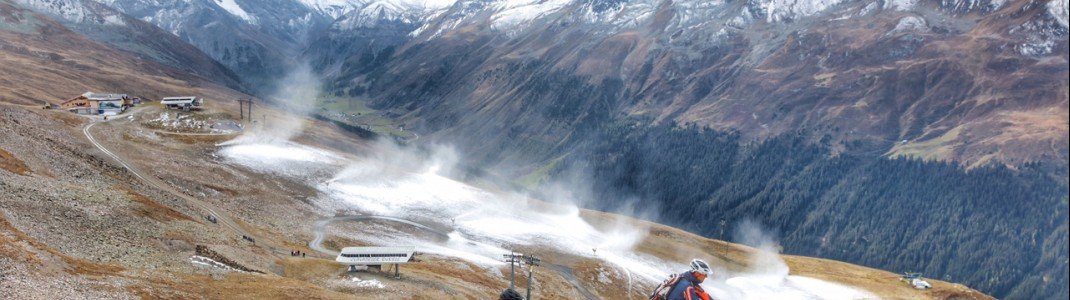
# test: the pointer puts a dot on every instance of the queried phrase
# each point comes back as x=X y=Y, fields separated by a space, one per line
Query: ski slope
x=483 y=225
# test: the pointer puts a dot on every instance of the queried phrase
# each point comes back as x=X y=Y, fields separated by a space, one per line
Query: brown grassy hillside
x=44 y=61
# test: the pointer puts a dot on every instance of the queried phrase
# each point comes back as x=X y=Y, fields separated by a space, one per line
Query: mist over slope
x=997 y=229
x=409 y=184
x=808 y=104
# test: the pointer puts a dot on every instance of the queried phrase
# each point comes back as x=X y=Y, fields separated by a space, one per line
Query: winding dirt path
x=222 y=218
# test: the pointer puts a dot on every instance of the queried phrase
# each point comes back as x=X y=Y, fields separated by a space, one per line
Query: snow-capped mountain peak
x=778 y=10
x=332 y=8
x=336 y=9
x=74 y=11
x=233 y=8
x=1058 y=9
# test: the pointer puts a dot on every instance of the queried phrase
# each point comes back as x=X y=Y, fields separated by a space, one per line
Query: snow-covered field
x=210 y=263
x=483 y=225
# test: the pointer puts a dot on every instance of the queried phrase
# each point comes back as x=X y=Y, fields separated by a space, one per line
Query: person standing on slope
x=685 y=286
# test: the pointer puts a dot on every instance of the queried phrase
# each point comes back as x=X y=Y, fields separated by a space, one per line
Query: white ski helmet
x=697 y=265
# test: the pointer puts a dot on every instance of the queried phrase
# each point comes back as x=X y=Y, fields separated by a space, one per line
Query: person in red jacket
x=689 y=287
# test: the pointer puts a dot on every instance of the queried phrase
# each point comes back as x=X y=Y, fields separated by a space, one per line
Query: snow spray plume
x=387 y=159
x=768 y=276
x=411 y=182
x=296 y=95
x=766 y=261
x=573 y=190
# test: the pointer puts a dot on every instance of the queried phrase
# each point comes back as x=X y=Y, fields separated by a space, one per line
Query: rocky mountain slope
x=254 y=45
x=44 y=61
x=963 y=81
x=883 y=73
x=262 y=40
x=709 y=55
x=258 y=40
x=106 y=25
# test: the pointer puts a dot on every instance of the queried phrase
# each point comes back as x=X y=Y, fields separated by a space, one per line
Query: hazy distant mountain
x=102 y=23
x=259 y=40
x=44 y=61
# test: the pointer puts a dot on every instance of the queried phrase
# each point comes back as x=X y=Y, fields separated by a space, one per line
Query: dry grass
x=198 y=138
x=152 y=209
x=672 y=244
x=55 y=64
x=180 y=236
x=14 y=241
x=11 y=245
x=310 y=269
x=939 y=148
x=885 y=284
x=12 y=164
x=232 y=286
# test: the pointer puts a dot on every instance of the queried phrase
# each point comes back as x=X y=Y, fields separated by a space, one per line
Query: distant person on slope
x=685 y=286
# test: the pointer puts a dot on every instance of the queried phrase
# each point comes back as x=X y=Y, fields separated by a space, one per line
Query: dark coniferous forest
x=997 y=229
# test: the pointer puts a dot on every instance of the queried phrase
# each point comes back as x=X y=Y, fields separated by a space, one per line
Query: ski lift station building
x=92 y=103
x=184 y=103
x=363 y=257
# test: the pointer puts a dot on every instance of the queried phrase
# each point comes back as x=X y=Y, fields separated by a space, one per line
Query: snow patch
x=332 y=8
x=868 y=9
x=900 y=5
x=285 y=158
x=211 y=263
x=369 y=13
x=630 y=14
x=780 y=10
x=973 y=5
x=233 y=8
x=1043 y=34
x=910 y=24
x=1037 y=47
x=369 y=283
x=269 y=154
x=1058 y=10
x=66 y=10
x=996 y=4
x=482 y=224
x=789 y=287
x=116 y=20
x=511 y=14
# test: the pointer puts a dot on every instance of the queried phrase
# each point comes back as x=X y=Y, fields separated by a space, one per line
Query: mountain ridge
x=103 y=24
x=713 y=66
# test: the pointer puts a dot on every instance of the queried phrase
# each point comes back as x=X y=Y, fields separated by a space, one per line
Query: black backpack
x=663 y=290
x=510 y=294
